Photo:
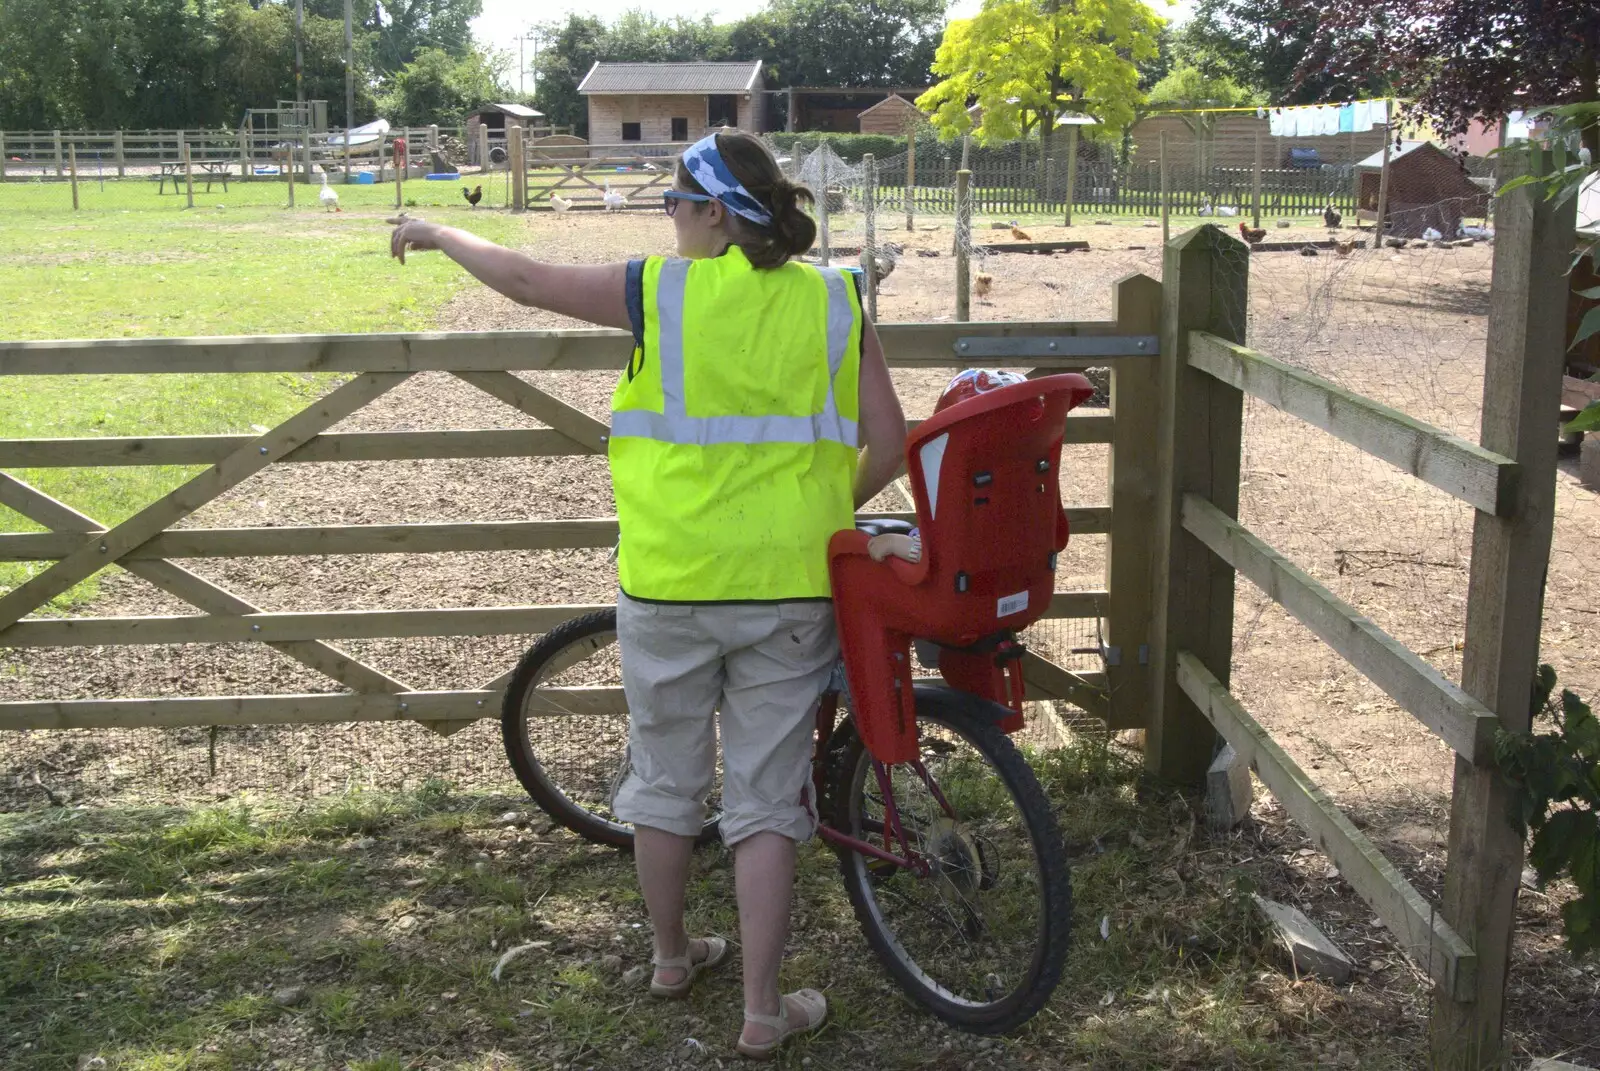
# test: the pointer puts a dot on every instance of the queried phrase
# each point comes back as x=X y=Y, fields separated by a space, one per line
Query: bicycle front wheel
x=980 y=938
x=565 y=724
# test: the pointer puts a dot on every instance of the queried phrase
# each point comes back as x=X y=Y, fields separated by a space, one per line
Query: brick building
x=659 y=103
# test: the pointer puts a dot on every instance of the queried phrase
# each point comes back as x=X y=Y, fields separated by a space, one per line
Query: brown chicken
x=1019 y=234
x=981 y=283
x=473 y=195
x=1344 y=249
x=1253 y=235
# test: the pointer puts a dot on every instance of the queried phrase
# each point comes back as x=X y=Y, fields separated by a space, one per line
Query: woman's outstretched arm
x=591 y=292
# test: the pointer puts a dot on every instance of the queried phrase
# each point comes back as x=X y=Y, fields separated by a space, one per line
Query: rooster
x=473 y=195
x=1253 y=235
x=1018 y=234
x=559 y=203
x=1331 y=217
x=981 y=283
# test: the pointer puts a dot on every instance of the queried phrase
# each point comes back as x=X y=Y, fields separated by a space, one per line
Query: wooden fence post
x=244 y=153
x=911 y=175
x=433 y=137
x=869 y=222
x=519 y=168
x=288 y=169
x=963 y=245
x=2 y=155
x=188 y=171
x=72 y=171
x=1166 y=224
x=1505 y=594
x=483 y=148
x=55 y=136
x=1255 y=185
x=121 y=156
x=400 y=176
x=1383 y=180
x=1205 y=279
x=1136 y=307
x=822 y=209
x=1072 y=170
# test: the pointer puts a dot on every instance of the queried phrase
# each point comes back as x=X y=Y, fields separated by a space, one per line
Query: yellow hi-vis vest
x=733 y=431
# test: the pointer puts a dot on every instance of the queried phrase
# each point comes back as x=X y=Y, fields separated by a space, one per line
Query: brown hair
x=792 y=230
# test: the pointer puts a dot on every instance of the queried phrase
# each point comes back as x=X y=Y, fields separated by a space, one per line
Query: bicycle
x=952 y=859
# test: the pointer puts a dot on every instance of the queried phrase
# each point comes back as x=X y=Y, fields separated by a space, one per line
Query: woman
x=755 y=415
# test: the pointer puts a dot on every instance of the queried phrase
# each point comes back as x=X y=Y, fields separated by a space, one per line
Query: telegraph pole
x=299 y=56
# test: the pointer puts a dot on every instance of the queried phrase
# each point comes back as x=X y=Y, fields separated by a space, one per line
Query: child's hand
x=412 y=234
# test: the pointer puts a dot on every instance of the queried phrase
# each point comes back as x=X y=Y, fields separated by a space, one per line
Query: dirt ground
x=1406 y=327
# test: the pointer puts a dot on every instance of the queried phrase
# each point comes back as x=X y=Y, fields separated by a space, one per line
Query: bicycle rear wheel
x=565 y=724
x=982 y=938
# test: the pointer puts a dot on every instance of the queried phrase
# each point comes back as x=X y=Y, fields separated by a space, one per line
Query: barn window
x=630 y=132
x=722 y=109
x=680 y=130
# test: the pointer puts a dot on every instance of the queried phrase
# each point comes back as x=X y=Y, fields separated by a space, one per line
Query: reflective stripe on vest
x=674 y=424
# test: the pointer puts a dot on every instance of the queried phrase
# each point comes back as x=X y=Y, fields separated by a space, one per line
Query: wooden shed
x=497 y=118
x=1428 y=187
x=893 y=114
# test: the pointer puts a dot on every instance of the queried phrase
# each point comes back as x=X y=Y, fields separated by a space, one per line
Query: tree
x=1187 y=88
x=401 y=29
x=1463 y=60
x=842 y=42
x=1260 y=44
x=573 y=49
x=1027 y=63
x=437 y=87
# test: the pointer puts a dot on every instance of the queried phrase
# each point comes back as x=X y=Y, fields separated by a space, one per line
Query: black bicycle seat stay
x=876 y=526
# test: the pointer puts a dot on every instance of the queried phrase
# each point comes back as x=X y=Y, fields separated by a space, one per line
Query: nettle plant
x=1555 y=779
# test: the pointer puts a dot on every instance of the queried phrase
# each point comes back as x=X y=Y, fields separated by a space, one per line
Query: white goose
x=328 y=196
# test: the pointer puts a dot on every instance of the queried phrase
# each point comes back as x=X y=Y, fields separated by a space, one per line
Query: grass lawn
x=239 y=271
x=361 y=932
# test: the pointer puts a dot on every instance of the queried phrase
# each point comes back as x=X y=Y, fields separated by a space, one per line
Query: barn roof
x=893 y=102
x=1375 y=161
x=645 y=78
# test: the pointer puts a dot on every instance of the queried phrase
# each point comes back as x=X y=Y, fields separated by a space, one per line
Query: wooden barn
x=891 y=115
x=1428 y=187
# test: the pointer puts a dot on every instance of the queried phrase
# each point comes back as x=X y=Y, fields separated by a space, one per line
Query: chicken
x=1253 y=235
x=1205 y=208
x=473 y=195
x=1344 y=249
x=559 y=203
x=328 y=195
x=1331 y=217
x=1019 y=234
x=1227 y=210
x=881 y=262
x=615 y=202
x=981 y=283
x=1429 y=234
x=1309 y=251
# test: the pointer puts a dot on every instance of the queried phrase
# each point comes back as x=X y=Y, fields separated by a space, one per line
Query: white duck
x=328 y=196
x=615 y=202
x=559 y=203
x=1429 y=234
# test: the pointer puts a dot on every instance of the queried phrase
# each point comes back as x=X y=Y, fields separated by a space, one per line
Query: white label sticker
x=1012 y=604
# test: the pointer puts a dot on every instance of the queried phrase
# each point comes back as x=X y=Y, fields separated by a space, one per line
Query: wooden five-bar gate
x=1179 y=373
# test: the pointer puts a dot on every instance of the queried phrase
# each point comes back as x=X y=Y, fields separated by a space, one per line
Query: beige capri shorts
x=758 y=668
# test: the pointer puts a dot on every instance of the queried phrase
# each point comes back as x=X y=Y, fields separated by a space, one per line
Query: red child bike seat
x=984 y=473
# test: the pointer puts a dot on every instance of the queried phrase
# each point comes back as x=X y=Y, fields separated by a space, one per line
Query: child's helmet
x=976 y=381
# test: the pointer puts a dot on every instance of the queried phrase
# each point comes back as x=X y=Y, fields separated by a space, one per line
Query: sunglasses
x=670 y=199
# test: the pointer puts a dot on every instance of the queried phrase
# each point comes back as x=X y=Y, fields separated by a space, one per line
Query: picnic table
x=210 y=170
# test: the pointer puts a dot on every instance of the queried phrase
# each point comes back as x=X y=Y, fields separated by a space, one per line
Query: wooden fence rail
x=1205 y=372
x=77 y=546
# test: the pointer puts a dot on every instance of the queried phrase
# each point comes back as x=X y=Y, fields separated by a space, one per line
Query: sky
x=503 y=21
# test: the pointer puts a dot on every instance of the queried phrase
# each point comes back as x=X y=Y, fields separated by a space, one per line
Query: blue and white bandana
x=706 y=166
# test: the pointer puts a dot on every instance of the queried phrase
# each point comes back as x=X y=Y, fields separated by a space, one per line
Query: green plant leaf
x=1588 y=420
x=1555 y=843
x=1583 y=730
x=1589 y=326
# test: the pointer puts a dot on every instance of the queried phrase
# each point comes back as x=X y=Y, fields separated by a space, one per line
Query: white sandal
x=716 y=952
x=813 y=1003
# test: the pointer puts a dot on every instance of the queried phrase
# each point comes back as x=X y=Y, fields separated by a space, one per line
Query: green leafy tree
x=573 y=48
x=843 y=42
x=437 y=87
x=1187 y=87
x=1027 y=63
x=1261 y=44
x=401 y=29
